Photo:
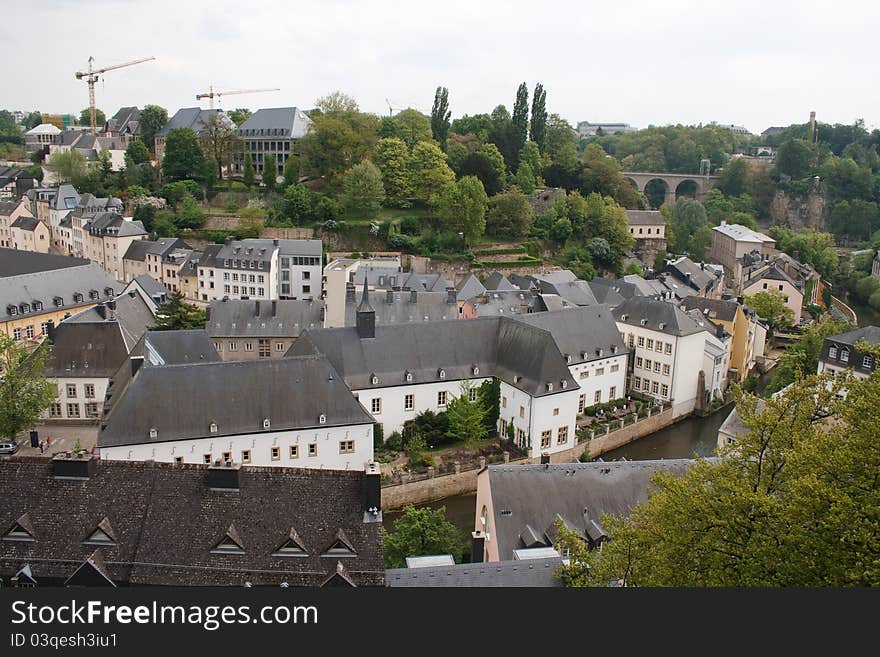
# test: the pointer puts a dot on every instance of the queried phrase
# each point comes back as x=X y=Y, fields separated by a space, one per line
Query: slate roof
x=14 y=262
x=581 y=332
x=742 y=233
x=263 y=319
x=139 y=249
x=577 y=292
x=194 y=118
x=531 y=572
x=113 y=223
x=504 y=303
x=152 y=288
x=166 y=521
x=160 y=348
x=578 y=493
x=469 y=287
x=521 y=347
x=65 y=199
x=772 y=273
x=497 y=281
x=291 y=122
x=428 y=307
x=654 y=312
x=8 y=207
x=700 y=279
x=606 y=292
x=869 y=333
x=131 y=312
x=25 y=223
x=724 y=311
x=236 y=395
x=644 y=218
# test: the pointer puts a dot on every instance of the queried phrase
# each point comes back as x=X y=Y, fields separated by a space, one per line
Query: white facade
x=332 y=448
x=299 y=277
x=215 y=283
x=600 y=381
x=716 y=361
x=78 y=399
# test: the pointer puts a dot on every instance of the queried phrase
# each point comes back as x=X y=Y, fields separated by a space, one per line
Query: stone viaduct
x=675 y=183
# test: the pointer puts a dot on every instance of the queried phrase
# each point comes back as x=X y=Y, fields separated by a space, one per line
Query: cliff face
x=797 y=211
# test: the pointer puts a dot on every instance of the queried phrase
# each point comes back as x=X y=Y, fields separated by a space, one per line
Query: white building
x=342 y=271
x=668 y=350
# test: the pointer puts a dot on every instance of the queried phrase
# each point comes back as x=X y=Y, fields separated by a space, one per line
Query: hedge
x=511 y=251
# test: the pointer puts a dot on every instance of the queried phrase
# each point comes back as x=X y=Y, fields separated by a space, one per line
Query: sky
x=744 y=62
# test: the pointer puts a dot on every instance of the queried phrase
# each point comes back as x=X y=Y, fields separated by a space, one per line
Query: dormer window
x=564 y=384
x=868 y=362
x=340 y=547
x=11 y=310
x=154 y=433
x=614 y=349
x=844 y=355
x=77 y=297
x=583 y=355
x=475 y=370
x=93 y=294
x=21 y=530
x=108 y=291
x=567 y=358
x=58 y=301
x=441 y=373
x=25 y=308
x=549 y=387
x=832 y=352
x=644 y=322
x=409 y=376
x=623 y=317
x=293 y=546
x=38 y=305
x=103 y=534
x=322 y=419
x=266 y=423
x=213 y=427
x=229 y=543
x=374 y=379
x=662 y=325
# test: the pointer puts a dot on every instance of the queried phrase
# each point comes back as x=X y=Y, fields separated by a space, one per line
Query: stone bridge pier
x=677 y=185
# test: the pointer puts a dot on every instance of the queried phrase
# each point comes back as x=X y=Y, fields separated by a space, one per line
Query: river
x=867 y=315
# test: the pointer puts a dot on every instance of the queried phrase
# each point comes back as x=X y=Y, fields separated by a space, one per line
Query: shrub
x=410 y=225
x=394 y=442
x=231 y=206
x=237 y=186
x=378 y=438
x=401 y=242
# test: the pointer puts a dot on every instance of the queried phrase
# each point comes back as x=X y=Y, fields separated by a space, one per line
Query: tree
x=802 y=358
x=487 y=164
x=189 y=214
x=606 y=219
x=24 y=391
x=249 y=177
x=808 y=246
x=68 y=167
x=137 y=153
x=413 y=126
x=337 y=102
x=85 y=117
x=270 y=172
x=183 y=158
x=519 y=122
x=440 y=115
x=795 y=158
x=291 y=170
x=32 y=120
x=510 y=215
x=734 y=178
x=791 y=504
x=462 y=208
x=297 y=204
x=538 y=124
x=178 y=315
x=686 y=218
x=525 y=178
x=430 y=174
x=392 y=158
x=857 y=219
x=500 y=133
x=422 y=532
x=466 y=417
x=771 y=306
x=151 y=120
x=362 y=189
x=219 y=141
x=532 y=156
x=337 y=141
x=240 y=115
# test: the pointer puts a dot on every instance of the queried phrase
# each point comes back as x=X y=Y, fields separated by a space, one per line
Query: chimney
x=275 y=242
x=228 y=240
x=350 y=292
x=389 y=296
x=740 y=300
x=413 y=296
x=257 y=308
x=371 y=492
x=208 y=314
x=478 y=546
x=223 y=477
x=275 y=308
x=111 y=307
x=67 y=465
x=451 y=295
x=719 y=331
x=703 y=266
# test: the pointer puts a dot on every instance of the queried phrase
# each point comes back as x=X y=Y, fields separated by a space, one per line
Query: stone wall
x=798 y=212
x=295 y=233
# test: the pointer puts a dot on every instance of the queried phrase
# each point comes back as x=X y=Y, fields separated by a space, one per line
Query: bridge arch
x=688 y=188
x=658 y=191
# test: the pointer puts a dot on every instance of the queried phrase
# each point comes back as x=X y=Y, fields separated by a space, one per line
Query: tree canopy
x=24 y=392
x=422 y=532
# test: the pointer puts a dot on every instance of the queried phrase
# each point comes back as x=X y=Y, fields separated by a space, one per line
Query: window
x=92 y=409
x=346 y=446
x=275 y=453
x=245 y=456
x=657 y=366
x=29 y=331
x=612 y=392
x=233 y=346
x=307 y=289
x=409 y=402
x=641 y=341
x=832 y=352
x=654 y=387
x=55 y=410
x=868 y=362
x=73 y=410
x=585 y=374
x=668 y=347
x=546 y=437
x=522 y=411
x=844 y=355
x=648 y=364
x=780 y=287
x=265 y=347
x=664 y=390
x=639 y=361
x=313 y=449
x=227 y=457
x=600 y=371
x=71 y=390
x=637 y=383
x=206 y=458
x=294 y=451
x=630 y=340
x=16 y=334
x=555 y=411
x=665 y=369
x=472 y=394
x=562 y=435
x=279 y=346
x=178 y=460
x=597 y=398
x=615 y=368
x=248 y=346
x=89 y=389
x=441 y=398
x=650 y=343
x=218 y=346
x=582 y=402
x=44 y=328
x=520 y=437
x=504 y=402
x=659 y=347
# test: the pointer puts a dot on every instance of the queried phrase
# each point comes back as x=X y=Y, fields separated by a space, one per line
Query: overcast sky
x=747 y=62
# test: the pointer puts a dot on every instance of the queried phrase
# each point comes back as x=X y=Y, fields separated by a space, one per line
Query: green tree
x=392 y=158
x=413 y=126
x=270 y=172
x=422 y=532
x=137 y=152
x=538 y=124
x=337 y=102
x=249 y=176
x=519 y=122
x=178 y=315
x=802 y=358
x=525 y=178
x=338 y=139
x=510 y=215
x=85 y=117
x=363 y=192
x=467 y=417
x=219 y=141
x=68 y=167
x=795 y=158
x=487 y=164
x=500 y=133
x=24 y=391
x=32 y=120
x=440 y=115
x=430 y=174
x=734 y=178
x=189 y=214
x=606 y=219
x=240 y=115
x=602 y=175
x=183 y=158
x=687 y=218
x=771 y=306
x=291 y=170
x=151 y=120
x=532 y=156
x=462 y=208
x=297 y=204
x=808 y=246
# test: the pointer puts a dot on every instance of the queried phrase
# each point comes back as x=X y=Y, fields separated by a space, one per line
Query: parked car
x=8 y=447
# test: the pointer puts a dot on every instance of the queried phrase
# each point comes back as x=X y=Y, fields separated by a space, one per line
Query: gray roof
x=577 y=292
x=289 y=122
x=237 y=396
x=521 y=350
x=194 y=118
x=504 y=303
x=393 y=307
x=606 y=292
x=871 y=334
x=652 y=313
x=263 y=319
x=580 y=332
x=261 y=249
x=160 y=348
x=60 y=284
x=531 y=497
x=556 y=276
x=497 y=281
x=14 y=262
x=139 y=249
x=114 y=224
x=718 y=309
x=151 y=287
x=700 y=278
x=8 y=207
x=65 y=199
x=469 y=287
x=641 y=286
x=131 y=313
x=644 y=217
x=297 y=247
x=530 y=572
x=773 y=273
x=25 y=223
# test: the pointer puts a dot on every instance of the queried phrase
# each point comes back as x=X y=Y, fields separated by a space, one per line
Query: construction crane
x=210 y=95
x=406 y=106
x=91 y=77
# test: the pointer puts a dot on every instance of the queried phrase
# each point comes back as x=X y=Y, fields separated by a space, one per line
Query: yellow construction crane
x=210 y=94
x=91 y=77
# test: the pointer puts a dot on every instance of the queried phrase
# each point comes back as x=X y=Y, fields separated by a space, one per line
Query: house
x=243 y=329
x=648 y=228
x=280 y=412
x=274 y=132
x=700 y=279
x=38 y=199
x=734 y=245
x=107 y=238
x=28 y=234
x=586 y=129
x=15 y=183
x=61 y=205
x=90 y=146
x=517 y=572
x=261 y=269
x=69 y=521
x=840 y=353
x=87 y=349
x=161 y=259
x=188 y=277
x=194 y=118
x=668 y=349
x=125 y=125
x=549 y=365
x=39 y=137
x=88 y=207
x=504 y=303
x=10 y=211
x=469 y=287
x=498 y=282
x=153 y=293
x=38 y=289
x=773 y=278
x=518 y=505
x=712 y=382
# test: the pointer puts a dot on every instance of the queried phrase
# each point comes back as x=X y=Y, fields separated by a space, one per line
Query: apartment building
x=29 y=234
x=774 y=279
x=734 y=245
x=108 y=237
x=10 y=211
x=161 y=259
x=274 y=132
